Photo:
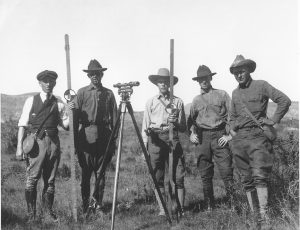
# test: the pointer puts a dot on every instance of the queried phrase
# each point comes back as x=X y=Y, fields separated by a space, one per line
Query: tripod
x=125 y=91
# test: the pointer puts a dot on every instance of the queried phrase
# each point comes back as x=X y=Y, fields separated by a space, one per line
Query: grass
x=136 y=205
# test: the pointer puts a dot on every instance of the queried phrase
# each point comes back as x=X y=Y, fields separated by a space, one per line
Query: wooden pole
x=71 y=135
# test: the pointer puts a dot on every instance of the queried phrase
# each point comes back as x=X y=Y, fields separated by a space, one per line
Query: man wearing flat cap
x=42 y=112
x=207 y=123
x=95 y=113
x=251 y=147
x=156 y=133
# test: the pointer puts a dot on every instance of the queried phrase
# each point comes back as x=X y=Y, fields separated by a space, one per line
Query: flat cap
x=46 y=73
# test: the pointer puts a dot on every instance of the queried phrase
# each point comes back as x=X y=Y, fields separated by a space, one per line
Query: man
x=252 y=150
x=207 y=123
x=156 y=123
x=95 y=110
x=46 y=158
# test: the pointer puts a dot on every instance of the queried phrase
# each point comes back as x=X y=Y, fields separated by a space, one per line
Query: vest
x=36 y=117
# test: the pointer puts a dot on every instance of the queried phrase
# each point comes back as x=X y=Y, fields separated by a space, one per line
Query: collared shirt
x=209 y=110
x=95 y=106
x=63 y=115
x=155 y=115
x=255 y=96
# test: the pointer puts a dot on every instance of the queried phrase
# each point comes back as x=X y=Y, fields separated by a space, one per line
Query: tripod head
x=125 y=89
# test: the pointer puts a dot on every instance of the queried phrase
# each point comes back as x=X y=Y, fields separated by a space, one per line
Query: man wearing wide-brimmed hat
x=42 y=112
x=251 y=148
x=95 y=110
x=156 y=133
x=207 y=124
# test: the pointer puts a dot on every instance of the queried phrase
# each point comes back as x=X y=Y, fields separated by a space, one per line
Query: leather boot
x=229 y=194
x=161 y=209
x=263 y=220
x=30 y=197
x=209 y=200
x=49 y=199
x=181 y=195
x=253 y=203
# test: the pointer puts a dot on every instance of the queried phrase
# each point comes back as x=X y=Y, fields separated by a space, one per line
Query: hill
x=11 y=107
x=293 y=112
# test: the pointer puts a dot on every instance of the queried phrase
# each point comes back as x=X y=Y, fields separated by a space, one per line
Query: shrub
x=9 y=138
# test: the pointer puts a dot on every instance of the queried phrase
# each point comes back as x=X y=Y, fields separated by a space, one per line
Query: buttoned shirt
x=95 y=106
x=156 y=116
x=209 y=110
x=63 y=115
x=255 y=96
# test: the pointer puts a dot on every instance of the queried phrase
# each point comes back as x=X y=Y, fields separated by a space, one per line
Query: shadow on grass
x=9 y=218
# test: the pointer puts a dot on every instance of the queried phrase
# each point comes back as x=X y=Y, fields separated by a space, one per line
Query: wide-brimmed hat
x=94 y=66
x=203 y=71
x=241 y=61
x=46 y=73
x=163 y=73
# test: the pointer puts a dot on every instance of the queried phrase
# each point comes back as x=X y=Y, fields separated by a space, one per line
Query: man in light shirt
x=46 y=159
x=156 y=122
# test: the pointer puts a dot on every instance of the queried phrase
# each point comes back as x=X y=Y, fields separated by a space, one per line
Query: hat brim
x=155 y=78
x=198 y=77
x=247 y=62
x=94 y=70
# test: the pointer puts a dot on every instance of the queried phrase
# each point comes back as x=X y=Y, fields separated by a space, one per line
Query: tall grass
x=136 y=205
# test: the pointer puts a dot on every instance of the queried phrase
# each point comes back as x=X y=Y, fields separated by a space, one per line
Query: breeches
x=209 y=150
x=159 y=156
x=46 y=164
x=90 y=158
x=253 y=154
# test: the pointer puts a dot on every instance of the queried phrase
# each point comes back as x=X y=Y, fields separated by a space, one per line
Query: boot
x=263 y=221
x=209 y=200
x=30 y=197
x=254 y=207
x=181 y=195
x=161 y=209
x=49 y=199
x=229 y=194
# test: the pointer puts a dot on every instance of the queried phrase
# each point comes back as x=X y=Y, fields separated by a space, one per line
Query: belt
x=161 y=131
x=249 y=128
x=221 y=127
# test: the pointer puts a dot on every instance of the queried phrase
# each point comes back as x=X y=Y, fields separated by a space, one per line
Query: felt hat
x=203 y=71
x=241 y=61
x=46 y=73
x=163 y=73
x=94 y=66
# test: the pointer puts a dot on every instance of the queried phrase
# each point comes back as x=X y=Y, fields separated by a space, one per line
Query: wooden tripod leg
x=130 y=111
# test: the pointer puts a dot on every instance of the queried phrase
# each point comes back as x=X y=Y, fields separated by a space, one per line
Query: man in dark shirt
x=252 y=150
x=95 y=110
x=207 y=122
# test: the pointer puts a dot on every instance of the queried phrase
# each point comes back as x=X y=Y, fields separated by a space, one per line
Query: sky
x=132 y=39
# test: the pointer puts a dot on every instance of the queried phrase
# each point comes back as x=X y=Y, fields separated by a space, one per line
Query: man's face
x=47 y=84
x=163 y=86
x=204 y=82
x=95 y=77
x=241 y=74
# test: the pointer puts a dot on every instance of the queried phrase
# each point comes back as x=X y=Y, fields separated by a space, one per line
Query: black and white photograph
x=150 y=114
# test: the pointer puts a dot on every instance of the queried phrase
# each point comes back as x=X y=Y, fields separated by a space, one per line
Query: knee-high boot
x=30 y=197
x=161 y=209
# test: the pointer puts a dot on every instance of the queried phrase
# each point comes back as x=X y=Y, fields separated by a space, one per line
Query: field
x=136 y=206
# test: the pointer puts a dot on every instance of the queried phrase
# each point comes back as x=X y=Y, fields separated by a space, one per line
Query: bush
x=9 y=136
x=284 y=181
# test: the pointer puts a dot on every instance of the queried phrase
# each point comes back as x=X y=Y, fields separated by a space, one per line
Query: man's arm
x=282 y=101
x=146 y=122
x=21 y=135
x=181 y=124
x=23 y=122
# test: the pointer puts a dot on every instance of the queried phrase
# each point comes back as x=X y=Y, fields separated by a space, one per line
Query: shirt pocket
x=255 y=102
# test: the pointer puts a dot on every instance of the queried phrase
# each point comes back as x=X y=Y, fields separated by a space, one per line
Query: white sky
x=132 y=39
